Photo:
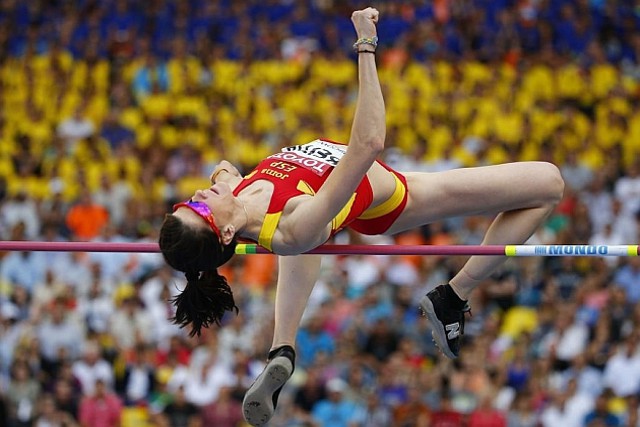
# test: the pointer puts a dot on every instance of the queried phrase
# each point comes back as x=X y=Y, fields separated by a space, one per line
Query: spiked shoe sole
x=257 y=405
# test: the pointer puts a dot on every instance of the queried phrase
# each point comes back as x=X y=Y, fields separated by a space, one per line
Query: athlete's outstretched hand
x=364 y=21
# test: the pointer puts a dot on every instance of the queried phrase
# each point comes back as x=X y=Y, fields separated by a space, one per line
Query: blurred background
x=112 y=110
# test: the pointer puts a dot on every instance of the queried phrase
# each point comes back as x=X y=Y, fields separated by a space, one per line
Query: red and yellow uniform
x=303 y=169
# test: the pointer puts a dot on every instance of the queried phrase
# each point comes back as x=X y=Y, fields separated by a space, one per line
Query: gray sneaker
x=260 y=400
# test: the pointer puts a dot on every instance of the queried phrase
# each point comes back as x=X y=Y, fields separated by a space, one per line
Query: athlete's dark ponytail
x=203 y=301
x=197 y=252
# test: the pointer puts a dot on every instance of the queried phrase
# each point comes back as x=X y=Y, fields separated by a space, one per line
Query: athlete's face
x=217 y=200
x=216 y=197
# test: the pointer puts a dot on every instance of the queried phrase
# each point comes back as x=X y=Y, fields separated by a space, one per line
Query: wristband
x=367 y=51
x=373 y=41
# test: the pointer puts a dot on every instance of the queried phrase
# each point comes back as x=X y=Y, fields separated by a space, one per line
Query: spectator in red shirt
x=224 y=412
x=102 y=409
x=486 y=415
x=446 y=416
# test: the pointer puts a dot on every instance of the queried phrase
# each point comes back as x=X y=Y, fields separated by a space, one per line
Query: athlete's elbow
x=368 y=146
x=376 y=144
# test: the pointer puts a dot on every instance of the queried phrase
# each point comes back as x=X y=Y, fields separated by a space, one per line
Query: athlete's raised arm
x=365 y=144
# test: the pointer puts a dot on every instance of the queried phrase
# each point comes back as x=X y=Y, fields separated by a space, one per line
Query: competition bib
x=317 y=156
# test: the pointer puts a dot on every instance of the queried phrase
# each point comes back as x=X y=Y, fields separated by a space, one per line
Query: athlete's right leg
x=296 y=277
x=521 y=194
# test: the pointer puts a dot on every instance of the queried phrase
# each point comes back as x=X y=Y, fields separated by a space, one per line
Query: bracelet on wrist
x=373 y=41
x=218 y=172
x=367 y=51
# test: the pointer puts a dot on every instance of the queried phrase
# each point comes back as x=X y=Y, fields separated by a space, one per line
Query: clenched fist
x=364 y=21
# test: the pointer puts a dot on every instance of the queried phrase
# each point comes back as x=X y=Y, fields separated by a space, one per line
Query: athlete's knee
x=551 y=182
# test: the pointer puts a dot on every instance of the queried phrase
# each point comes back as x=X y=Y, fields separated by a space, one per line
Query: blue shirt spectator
x=24 y=269
x=628 y=278
x=115 y=134
x=153 y=75
x=601 y=415
x=313 y=340
x=335 y=410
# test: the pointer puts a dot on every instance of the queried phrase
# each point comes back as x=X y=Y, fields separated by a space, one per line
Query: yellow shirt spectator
x=183 y=72
x=571 y=82
x=604 y=77
x=518 y=320
x=157 y=105
x=509 y=126
x=539 y=82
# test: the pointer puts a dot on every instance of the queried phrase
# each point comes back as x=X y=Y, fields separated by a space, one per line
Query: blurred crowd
x=111 y=111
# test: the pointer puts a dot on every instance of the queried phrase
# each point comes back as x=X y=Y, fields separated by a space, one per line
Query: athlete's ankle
x=285 y=350
x=464 y=283
x=457 y=294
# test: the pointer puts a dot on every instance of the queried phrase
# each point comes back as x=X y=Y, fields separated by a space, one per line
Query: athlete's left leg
x=297 y=276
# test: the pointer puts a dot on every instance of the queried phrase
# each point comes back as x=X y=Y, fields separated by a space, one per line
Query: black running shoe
x=260 y=400
x=445 y=312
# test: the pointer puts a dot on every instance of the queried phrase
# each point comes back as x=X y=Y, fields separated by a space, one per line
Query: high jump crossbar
x=330 y=249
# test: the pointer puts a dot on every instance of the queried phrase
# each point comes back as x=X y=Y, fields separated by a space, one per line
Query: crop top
x=303 y=169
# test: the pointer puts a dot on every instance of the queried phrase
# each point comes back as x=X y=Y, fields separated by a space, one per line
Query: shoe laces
x=465 y=310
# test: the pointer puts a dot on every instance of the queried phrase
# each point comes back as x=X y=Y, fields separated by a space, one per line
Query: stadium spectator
x=567 y=339
x=20 y=211
x=86 y=218
x=569 y=407
x=114 y=196
x=412 y=412
x=335 y=410
x=485 y=415
x=446 y=415
x=181 y=413
x=49 y=415
x=102 y=408
x=114 y=132
x=25 y=269
x=627 y=189
x=622 y=370
x=151 y=78
x=60 y=335
x=66 y=400
x=588 y=378
x=91 y=368
x=223 y=412
x=96 y=308
x=75 y=128
x=601 y=415
x=313 y=340
x=23 y=393
x=204 y=381
x=129 y=325
x=522 y=413
x=311 y=391
x=626 y=276
x=138 y=380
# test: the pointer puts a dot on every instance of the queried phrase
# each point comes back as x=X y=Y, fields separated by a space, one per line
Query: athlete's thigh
x=480 y=190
